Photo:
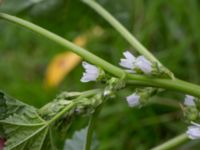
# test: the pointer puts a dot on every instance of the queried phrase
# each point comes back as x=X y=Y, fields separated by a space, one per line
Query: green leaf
x=78 y=141
x=23 y=128
x=17 y=6
x=36 y=6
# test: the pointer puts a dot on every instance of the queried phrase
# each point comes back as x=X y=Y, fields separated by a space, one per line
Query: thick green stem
x=175 y=84
x=76 y=49
x=172 y=143
x=121 y=29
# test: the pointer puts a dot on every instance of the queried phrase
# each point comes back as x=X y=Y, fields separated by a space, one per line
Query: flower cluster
x=142 y=65
x=135 y=64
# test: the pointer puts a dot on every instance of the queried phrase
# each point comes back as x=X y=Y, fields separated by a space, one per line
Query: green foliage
x=170 y=29
x=27 y=5
x=23 y=128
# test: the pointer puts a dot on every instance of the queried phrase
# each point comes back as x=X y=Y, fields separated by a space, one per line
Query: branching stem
x=175 y=84
x=121 y=29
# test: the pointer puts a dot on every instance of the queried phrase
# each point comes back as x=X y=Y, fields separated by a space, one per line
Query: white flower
x=189 y=100
x=91 y=72
x=129 y=61
x=133 y=100
x=143 y=64
x=193 y=131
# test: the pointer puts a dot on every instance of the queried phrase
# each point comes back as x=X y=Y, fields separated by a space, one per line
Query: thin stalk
x=172 y=143
x=121 y=29
x=175 y=84
x=91 y=127
x=61 y=113
x=72 y=104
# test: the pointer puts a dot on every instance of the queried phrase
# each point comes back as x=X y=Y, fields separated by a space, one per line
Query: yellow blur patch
x=63 y=63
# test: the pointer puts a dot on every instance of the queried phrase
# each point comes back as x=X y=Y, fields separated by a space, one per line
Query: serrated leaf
x=23 y=128
x=78 y=141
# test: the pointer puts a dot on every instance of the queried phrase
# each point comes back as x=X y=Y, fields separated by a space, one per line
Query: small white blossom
x=129 y=61
x=91 y=72
x=193 y=131
x=143 y=64
x=133 y=100
x=189 y=100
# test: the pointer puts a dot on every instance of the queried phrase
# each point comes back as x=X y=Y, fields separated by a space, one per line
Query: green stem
x=72 y=104
x=172 y=143
x=175 y=84
x=76 y=49
x=91 y=127
x=57 y=116
x=121 y=29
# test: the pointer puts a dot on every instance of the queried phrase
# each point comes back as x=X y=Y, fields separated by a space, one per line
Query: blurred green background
x=169 y=29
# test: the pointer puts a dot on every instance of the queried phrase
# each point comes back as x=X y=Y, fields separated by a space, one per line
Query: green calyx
x=113 y=85
x=191 y=113
x=146 y=93
x=161 y=71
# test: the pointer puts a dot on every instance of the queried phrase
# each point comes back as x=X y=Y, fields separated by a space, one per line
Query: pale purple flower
x=143 y=64
x=91 y=72
x=189 y=100
x=132 y=63
x=193 y=131
x=133 y=100
x=129 y=61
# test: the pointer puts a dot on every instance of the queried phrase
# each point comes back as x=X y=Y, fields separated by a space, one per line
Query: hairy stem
x=121 y=29
x=72 y=104
x=175 y=84
x=172 y=143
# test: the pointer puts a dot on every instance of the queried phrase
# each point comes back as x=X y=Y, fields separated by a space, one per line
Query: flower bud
x=141 y=96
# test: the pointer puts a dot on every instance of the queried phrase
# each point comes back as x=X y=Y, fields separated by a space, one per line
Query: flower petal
x=129 y=56
x=144 y=64
x=133 y=100
x=91 y=72
x=189 y=100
